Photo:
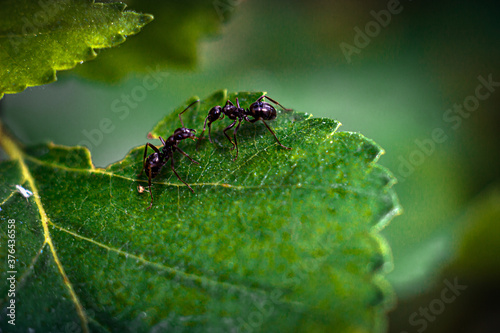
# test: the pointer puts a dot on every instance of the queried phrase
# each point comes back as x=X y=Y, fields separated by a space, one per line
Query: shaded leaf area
x=170 y=41
x=476 y=257
x=277 y=241
x=468 y=283
x=38 y=38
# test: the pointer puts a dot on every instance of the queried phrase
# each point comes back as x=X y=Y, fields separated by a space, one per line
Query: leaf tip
x=146 y=18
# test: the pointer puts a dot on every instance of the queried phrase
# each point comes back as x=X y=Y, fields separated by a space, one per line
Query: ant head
x=184 y=133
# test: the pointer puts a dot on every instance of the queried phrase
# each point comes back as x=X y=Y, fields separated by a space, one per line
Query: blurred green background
x=398 y=87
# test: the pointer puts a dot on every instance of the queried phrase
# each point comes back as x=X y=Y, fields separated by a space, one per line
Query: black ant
x=154 y=162
x=259 y=110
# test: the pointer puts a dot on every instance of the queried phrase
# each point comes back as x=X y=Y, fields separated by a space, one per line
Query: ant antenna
x=190 y=105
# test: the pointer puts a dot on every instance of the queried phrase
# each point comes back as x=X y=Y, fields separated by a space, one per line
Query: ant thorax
x=171 y=141
x=154 y=158
x=167 y=150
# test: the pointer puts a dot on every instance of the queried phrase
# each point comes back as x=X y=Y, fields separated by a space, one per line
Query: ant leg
x=204 y=127
x=210 y=132
x=144 y=159
x=210 y=127
x=173 y=169
x=150 y=191
x=272 y=100
x=270 y=130
x=146 y=153
x=235 y=141
x=185 y=154
x=228 y=128
x=201 y=135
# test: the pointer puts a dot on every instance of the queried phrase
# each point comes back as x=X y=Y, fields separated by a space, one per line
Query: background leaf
x=277 y=241
x=474 y=266
x=38 y=38
x=170 y=41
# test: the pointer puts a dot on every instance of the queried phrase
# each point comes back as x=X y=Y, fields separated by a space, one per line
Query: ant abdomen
x=153 y=165
x=260 y=110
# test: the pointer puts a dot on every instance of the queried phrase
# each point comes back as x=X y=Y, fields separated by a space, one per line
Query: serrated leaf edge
x=51 y=73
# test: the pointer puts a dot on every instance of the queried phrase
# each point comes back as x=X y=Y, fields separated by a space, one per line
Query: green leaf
x=171 y=41
x=475 y=259
x=277 y=241
x=38 y=38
